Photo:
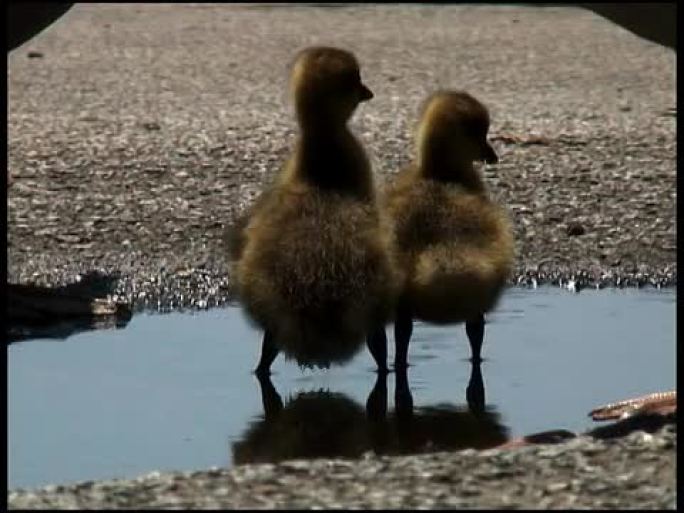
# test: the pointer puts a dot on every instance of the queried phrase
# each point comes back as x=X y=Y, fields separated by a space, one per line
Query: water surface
x=175 y=391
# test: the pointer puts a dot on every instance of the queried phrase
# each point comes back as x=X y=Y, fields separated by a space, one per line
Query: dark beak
x=365 y=94
x=488 y=154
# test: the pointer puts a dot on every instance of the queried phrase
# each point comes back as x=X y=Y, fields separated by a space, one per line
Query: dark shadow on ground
x=35 y=311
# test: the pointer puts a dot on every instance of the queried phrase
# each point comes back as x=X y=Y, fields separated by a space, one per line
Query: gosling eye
x=350 y=81
x=475 y=131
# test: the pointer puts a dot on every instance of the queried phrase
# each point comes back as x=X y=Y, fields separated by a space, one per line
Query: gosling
x=454 y=244
x=312 y=257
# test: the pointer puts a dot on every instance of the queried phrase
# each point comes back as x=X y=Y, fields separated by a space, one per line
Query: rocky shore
x=634 y=472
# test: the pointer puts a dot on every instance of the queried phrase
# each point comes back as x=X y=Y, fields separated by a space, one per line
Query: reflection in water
x=324 y=424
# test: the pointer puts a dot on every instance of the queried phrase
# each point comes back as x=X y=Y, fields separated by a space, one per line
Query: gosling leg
x=403 y=400
x=376 y=404
x=475 y=392
x=475 y=330
x=403 y=328
x=377 y=344
x=269 y=351
x=270 y=399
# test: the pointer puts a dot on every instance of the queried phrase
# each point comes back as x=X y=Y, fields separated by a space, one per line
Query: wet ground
x=175 y=392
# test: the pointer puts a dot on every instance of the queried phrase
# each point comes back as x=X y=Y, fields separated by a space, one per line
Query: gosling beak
x=365 y=94
x=488 y=154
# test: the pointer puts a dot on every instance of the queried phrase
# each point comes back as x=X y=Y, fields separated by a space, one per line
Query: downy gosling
x=312 y=256
x=455 y=245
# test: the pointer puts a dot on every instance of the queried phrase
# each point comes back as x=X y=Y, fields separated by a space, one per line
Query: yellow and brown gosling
x=455 y=245
x=312 y=257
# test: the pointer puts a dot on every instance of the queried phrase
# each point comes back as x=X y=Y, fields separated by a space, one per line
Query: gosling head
x=452 y=133
x=327 y=86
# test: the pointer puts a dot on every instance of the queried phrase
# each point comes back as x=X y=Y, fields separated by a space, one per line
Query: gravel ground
x=635 y=472
x=137 y=132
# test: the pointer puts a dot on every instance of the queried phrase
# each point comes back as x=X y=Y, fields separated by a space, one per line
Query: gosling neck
x=439 y=160
x=319 y=122
x=329 y=157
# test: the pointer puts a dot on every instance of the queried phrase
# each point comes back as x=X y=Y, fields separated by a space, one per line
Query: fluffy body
x=455 y=246
x=313 y=260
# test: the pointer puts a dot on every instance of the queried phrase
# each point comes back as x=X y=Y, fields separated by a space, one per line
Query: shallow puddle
x=175 y=391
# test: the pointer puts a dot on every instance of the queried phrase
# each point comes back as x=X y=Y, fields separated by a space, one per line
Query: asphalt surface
x=137 y=132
